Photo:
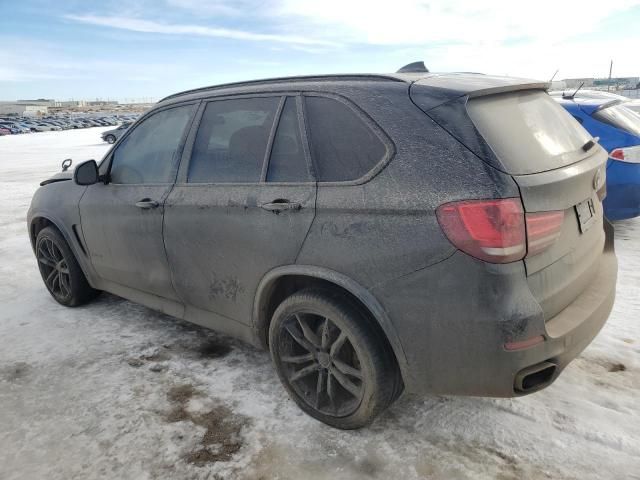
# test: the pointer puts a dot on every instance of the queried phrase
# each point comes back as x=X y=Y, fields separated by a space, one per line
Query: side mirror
x=86 y=173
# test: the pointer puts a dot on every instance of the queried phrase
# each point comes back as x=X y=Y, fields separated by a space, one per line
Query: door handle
x=147 y=203
x=281 y=205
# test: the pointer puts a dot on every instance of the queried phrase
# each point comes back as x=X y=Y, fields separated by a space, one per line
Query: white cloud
x=35 y=62
x=149 y=26
x=215 y=7
x=412 y=22
x=539 y=59
x=492 y=36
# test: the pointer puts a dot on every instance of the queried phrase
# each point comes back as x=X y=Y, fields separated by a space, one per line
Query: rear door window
x=287 y=162
x=343 y=146
x=528 y=131
x=620 y=117
x=231 y=142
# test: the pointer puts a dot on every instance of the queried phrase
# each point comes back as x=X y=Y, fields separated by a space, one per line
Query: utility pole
x=610 y=68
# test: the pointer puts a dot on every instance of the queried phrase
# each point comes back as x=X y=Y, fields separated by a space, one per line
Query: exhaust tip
x=535 y=377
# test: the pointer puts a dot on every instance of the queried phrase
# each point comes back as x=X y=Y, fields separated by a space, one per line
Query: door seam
x=166 y=253
x=315 y=213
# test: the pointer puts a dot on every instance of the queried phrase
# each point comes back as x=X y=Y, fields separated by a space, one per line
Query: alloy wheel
x=54 y=268
x=320 y=364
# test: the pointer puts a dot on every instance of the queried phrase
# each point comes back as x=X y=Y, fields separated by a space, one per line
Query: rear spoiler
x=609 y=104
x=591 y=108
x=439 y=89
x=509 y=88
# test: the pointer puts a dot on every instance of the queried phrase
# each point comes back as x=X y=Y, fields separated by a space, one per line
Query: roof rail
x=303 y=78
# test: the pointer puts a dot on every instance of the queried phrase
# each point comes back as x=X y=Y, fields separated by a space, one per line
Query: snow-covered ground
x=114 y=390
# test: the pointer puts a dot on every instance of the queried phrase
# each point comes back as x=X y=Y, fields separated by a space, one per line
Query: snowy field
x=114 y=390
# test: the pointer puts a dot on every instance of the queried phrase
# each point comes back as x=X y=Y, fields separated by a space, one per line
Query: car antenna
x=572 y=96
x=553 y=76
x=415 y=67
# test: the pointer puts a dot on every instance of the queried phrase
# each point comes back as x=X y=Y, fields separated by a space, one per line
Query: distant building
x=576 y=82
x=603 y=83
x=102 y=103
x=618 y=82
x=44 y=102
x=71 y=103
x=15 y=108
x=558 y=85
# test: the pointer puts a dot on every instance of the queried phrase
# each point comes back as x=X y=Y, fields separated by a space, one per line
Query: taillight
x=498 y=231
x=491 y=230
x=543 y=229
x=628 y=154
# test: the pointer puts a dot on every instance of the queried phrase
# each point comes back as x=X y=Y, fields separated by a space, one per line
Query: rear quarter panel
x=386 y=227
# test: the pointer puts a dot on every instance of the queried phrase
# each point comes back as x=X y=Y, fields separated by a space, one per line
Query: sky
x=146 y=49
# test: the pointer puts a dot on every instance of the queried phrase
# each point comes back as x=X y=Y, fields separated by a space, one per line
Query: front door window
x=148 y=154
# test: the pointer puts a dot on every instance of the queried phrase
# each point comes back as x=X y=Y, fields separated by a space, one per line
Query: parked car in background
x=25 y=125
x=634 y=105
x=61 y=122
x=378 y=233
x=585 y=93
x=9 y=126
x=29 y=125
x=110 y=136
x=14 y=127
x=4 y=131
x=618 y=129
x=45 y=127
x=56 y=123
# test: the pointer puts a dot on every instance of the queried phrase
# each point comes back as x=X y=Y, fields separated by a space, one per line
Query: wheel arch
x=39 y=221
x=281 y=282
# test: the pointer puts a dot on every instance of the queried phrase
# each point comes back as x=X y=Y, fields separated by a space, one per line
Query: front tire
x=110 y=139
x=60 y=271
x=332 y=359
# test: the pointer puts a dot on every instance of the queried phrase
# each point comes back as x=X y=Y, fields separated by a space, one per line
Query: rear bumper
x=454 y=318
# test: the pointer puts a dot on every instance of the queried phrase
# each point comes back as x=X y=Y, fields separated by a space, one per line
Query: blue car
x=618 y=128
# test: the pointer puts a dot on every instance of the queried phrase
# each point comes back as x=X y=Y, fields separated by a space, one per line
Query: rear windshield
x=620 y=117
x=528 y=131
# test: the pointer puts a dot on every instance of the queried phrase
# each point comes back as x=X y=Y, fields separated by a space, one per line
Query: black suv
x=437 y=233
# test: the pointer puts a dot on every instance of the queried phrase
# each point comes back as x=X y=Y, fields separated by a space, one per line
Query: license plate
x=586 y=211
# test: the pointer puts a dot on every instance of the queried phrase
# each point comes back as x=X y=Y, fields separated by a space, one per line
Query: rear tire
x=60 y=271
x=331 y=358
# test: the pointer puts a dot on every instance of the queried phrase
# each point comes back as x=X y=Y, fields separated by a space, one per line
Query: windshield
x=528 y=131
x=620 y=117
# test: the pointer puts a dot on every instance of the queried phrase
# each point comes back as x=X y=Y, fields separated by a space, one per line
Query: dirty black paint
x=202 y=253
x=228 y=288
